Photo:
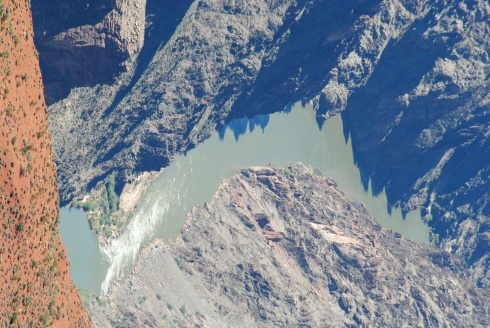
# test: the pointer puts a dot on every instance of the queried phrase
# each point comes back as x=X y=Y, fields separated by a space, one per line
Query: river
x=193 y=178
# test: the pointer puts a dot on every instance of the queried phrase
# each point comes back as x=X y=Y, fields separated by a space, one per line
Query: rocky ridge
x=284 y=247
x=36 y=289
x=409 y=76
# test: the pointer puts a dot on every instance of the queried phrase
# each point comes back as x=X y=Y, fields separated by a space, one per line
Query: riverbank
x=286 y=246
x=289 y=136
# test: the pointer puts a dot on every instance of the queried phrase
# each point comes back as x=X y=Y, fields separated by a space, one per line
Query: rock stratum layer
x=36 y=289
x=409 y=76
x=284 y=247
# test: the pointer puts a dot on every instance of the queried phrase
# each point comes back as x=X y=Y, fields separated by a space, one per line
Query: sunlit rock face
x=285 y=247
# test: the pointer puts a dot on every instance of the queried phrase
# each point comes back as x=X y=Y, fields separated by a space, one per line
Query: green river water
x=289 y=136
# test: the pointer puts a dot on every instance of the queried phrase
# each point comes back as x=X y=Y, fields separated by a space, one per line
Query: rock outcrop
x=84 y=43
x=410 y=76
x=284 y=247
x=36 y=289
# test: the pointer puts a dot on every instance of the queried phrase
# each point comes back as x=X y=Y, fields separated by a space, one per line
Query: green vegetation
x=103 y=218
x=183 y=310
x=3 y=14
x=20 y=227
x=435 y=238
x=14 y=317
x=101 y=301
x=86 y=206
x=111 y=193
x=27 y=148
x=142 y=300
x=10 y=30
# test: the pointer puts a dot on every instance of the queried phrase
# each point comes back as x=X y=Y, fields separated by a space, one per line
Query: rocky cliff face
x=284 y=247
x=420 y=127
x=83 y=43
x=36 y=289
x=409 y=76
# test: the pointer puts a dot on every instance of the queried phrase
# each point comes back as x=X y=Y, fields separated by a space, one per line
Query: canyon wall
x=83 y=43
x=409 y=76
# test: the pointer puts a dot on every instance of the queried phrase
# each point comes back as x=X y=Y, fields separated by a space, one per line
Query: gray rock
x=409 y=76
x=328 y=265
x=83 y=43
x=419 y=127
x=197 y=69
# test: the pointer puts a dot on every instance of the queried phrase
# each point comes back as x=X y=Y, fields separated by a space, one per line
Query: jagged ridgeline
x=36 y=289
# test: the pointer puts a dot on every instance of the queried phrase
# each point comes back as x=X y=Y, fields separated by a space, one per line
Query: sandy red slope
x=35 y=285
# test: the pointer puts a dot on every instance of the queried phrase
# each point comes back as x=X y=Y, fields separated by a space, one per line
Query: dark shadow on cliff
x=304 y=60
x=65 y=65
x=466 y=177
x=162 y=19
x=65 y=68
x=160 y=27
x=52 y=17
x=382 y=128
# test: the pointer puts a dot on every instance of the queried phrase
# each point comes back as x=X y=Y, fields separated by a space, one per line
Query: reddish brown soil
x=35 y=285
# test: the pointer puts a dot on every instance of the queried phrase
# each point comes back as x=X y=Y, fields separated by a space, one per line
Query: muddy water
x=290 y=136
x=88 y=265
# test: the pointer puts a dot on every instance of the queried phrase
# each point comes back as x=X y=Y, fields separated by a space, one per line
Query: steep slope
x=409 y=76
x=36 y=288
x=284 y=247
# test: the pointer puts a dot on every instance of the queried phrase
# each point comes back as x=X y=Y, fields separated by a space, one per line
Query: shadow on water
x=239 y=126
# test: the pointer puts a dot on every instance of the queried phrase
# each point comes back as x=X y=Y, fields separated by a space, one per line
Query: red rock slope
x=35 y=284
